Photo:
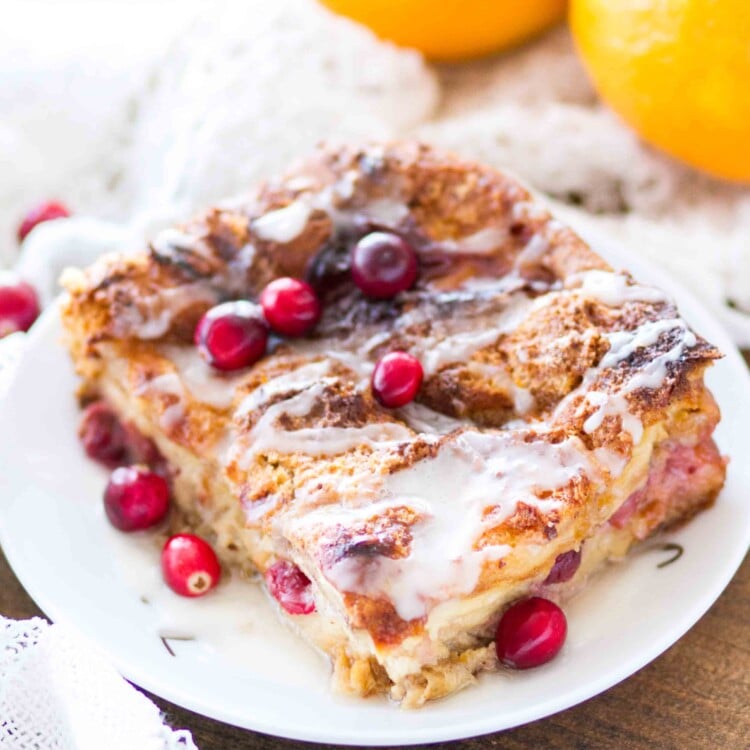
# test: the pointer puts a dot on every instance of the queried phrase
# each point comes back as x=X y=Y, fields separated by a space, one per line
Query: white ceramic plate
x=58 y=542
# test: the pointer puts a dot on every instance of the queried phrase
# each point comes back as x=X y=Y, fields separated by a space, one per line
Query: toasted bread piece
x=563 y=406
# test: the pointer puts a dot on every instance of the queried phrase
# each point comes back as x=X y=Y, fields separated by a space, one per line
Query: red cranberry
x=290 y=587
x=290 y=306
x=143 y=450
x=232 y=335
x=383 y=264
x=189 y=565
x=530 y=633
x=396 y=379
x=565 y=566
x=135 y=498
x=19 y=305
x=43 y=212
x=103 y=436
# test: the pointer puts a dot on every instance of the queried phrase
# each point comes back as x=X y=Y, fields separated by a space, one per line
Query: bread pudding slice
x=563 y=415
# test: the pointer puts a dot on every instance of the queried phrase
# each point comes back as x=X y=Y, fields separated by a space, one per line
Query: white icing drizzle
x=204 y=383
x=622 y=345
x=171 y=240
x=284 y=224
x=483 y=242
x=163 y=307
x=535 y=248
x=475 y=482
x=614 y=289
x=441 y=350
x=300 y=379
x=386 y=212
x=169 y=383
x=314 y=441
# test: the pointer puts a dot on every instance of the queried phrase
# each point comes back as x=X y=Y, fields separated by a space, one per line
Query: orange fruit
x=453 y=30
x=678 y=71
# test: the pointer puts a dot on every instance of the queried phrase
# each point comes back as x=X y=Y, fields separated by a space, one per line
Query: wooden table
x=695 y=696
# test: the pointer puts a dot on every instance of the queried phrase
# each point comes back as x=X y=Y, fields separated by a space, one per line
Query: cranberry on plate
x=290 y=587
x=189 y=565
x=396 y=379
x=232 y=335
x=383 y=264
x=530 y=633
x=290 y=306
x=135 y=498
x=46 y=211
x=19 y=305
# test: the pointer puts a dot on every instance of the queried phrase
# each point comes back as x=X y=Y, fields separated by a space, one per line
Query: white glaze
x=204 y=383
x=167 y=384
x=162 y=308
x=436 y=353
x=614 y=289
x=386 y=212
x=314 y=441
x=483 y=242
x=284 y=224
x=473 y=483
x=236 y=622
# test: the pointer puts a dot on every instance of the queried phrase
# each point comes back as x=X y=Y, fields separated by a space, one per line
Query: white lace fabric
x=57 y=692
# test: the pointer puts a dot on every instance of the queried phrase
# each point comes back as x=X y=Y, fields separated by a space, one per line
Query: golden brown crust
x=492 y=263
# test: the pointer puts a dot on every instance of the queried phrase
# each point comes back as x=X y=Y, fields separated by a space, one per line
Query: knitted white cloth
x=58 y=693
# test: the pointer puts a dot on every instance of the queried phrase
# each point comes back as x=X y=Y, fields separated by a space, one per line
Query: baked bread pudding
x=404 y=394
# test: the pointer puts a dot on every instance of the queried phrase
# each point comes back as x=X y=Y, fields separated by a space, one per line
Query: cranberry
x=232 y=335
x=291 y=306
x=565 y=567
x=383 y=264
x=103 y=436
x=396 y=379
x=189 y=565
x=143 y=450
x=135 y=498
x=530 y=633
x=19 y=305
x=290 y=587
x=43 y=212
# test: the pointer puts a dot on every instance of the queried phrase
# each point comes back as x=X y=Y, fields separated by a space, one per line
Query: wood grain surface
x=696 y=695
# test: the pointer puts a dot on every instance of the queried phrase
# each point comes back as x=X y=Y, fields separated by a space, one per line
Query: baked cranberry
x=623 y=514
x=143 y=450
x=19 y=305
x=102 y=435
x=189 y=565
x=290 y=306
x=290 y=587
x=232 y=335
x=383 y=264
x=530 y=633
x=135 y=498
x=396 y=379
x=43 y=212
x=565 y=566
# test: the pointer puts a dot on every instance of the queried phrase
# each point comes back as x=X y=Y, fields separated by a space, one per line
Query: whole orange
x=453 y=30
x=678 y=71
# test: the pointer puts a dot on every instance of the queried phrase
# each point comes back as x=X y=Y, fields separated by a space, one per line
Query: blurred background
x=634 y=117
